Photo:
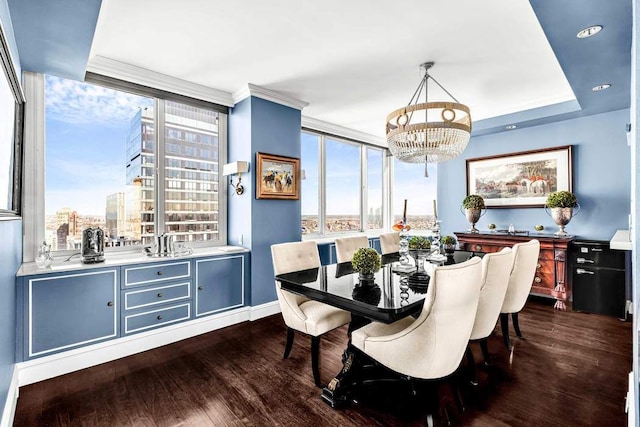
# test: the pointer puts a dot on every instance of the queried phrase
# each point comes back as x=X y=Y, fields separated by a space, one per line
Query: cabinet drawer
x=479 y=247
x=154 y=318
x=156 y=295
x=143 y=275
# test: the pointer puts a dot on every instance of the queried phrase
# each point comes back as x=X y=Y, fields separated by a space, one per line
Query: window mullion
x=160 y=181
x=322 y=195
x=364 y=185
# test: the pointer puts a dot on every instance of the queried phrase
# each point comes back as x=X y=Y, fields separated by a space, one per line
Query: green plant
x=448 y=240
x=473 y=201
x=419 y=242
x=562 y=199
x=366 y=260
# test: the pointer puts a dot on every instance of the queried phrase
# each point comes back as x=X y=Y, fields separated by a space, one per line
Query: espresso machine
x=92 y=245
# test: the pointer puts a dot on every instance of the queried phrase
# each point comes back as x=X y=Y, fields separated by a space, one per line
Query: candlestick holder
x=405 y=264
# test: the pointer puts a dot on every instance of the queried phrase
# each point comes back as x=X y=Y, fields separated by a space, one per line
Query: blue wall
x=10 y=260
x=273 y=129
x=601 y=176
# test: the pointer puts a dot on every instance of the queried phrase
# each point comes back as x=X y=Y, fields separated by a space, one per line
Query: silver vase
x=561 y=216
x=473 y=215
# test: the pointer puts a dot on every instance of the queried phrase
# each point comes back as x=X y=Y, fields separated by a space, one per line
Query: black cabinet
x=598 y=278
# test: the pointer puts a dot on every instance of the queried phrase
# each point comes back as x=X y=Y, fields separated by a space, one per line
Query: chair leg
x=290 y=335
x=504 y=323
x=472 y=366
x=516 y=326
x=484 y=345
x=315 y=360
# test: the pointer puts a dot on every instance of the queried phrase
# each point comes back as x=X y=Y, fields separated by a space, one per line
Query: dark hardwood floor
x=571 y=370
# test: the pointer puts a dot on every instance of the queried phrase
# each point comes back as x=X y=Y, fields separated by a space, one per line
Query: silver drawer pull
x=159 y=294
x=159 y=273
x=583 y=271
x=159 y=317
x=596 y=250
x=584 y=260
x=110 y=304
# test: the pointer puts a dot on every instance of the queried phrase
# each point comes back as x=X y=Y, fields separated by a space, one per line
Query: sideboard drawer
x=135 y=276
x=154 y=318
x=485 y=248
x=156 y=295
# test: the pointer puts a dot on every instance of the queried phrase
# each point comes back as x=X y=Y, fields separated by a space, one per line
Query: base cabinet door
x=70 y=310
x=219 y=284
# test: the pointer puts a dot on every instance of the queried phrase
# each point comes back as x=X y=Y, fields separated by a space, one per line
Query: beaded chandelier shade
x=428 y=132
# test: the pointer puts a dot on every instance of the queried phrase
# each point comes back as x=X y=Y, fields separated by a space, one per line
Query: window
x=342 y=179
x=408 y=182
x=107 y=166
x=11 y=123
x=342 y=189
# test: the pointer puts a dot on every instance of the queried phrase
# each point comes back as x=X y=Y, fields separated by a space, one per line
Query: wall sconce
x=236 y=168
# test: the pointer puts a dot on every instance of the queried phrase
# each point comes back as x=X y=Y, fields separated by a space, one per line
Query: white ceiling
x=352 y=61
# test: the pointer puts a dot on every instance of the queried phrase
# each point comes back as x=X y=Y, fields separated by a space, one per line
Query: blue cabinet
x=220 y=283
x=155 y=294
x=67 y=310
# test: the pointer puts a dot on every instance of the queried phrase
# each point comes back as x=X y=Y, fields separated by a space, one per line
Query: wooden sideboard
x=551 y=273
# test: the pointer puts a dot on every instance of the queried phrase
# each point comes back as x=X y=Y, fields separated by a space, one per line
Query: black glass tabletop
x=390 y=296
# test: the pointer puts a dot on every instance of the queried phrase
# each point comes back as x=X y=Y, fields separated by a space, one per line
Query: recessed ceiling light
x=589 y=31
x=601 y=87
x=509 y=127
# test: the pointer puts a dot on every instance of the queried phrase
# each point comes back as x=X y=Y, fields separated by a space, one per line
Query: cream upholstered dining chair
x=389 y=242
x=432 y=345
x=525 y=261
x=346 y=247
x=496 y=270
x=299 y=313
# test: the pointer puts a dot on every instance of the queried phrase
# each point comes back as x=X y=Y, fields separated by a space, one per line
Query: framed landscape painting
x=277 y=177
x=522 y=179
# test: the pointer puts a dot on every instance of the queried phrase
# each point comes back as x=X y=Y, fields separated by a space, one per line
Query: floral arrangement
x=562 y=199
x=473 y=201
x=366 y=260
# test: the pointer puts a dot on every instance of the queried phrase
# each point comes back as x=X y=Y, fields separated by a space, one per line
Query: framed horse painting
x=522 y=180
x=277 y=177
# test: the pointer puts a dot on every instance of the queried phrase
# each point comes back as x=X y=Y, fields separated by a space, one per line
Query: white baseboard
x=264 y=310
x=9 y=411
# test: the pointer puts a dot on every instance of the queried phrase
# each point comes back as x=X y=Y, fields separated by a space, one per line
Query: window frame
x=387 y=186
x=35 y=118
x=14 y=211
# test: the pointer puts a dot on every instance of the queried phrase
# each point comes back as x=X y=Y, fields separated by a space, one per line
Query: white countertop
x=621 y=241
x=115 y=259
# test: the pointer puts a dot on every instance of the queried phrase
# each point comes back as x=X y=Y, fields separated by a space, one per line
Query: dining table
x=396 y=291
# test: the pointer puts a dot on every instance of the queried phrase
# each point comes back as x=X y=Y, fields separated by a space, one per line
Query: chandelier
x=428 y=132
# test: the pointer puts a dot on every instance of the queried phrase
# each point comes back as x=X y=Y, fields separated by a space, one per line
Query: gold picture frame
x=277 y=177
x=520 y=180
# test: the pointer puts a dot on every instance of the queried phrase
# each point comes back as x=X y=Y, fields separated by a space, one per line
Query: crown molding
x=269 y=95
x=127 y=72
x=337 y=130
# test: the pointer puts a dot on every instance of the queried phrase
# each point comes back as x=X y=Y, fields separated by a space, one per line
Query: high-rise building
x=115 y=220
x=190 y=173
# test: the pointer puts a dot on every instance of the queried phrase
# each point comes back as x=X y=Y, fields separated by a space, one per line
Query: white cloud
x=76 y=102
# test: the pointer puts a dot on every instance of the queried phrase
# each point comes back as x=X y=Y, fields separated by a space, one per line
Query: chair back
x=389 y=243
x=288 y=257
x=434 y=344
x=347 y=246
x=496 y=270
x=525 y=261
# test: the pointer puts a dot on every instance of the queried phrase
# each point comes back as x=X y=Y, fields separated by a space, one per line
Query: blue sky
x=86 y=132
